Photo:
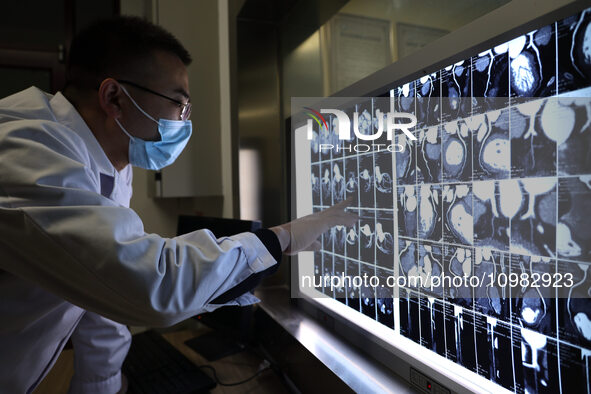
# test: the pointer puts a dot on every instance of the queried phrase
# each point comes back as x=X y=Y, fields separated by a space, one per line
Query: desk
x=230 y=369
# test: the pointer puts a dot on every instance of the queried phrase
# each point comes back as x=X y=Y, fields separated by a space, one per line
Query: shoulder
x=30 y=139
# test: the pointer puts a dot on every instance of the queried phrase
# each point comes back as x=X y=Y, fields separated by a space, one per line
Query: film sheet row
x=474 y=230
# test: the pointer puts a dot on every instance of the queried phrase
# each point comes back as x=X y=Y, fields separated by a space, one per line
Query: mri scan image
x=493 y=301
x=534 y=306
x=384 y=239
x=366 y=181
x=429 y=155
x=430 y=224
x=353 y=291
x=385 y=300
x=497 y=185
x=533 y=224
x=490 y=79
x=573 y=231
x=532 y=63
x=491 y=157
x=492 y=200
x=407 y=211
x=456 y=151
x=458 y=225
x=574 y=70
x=408 y=264
x=406 y=169
x=572 y=134
x=456 y=91
x=383 y=180
x=428 y=100
x=534 y=138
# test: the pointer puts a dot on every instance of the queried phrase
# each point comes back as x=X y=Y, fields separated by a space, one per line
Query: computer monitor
x=496 y=185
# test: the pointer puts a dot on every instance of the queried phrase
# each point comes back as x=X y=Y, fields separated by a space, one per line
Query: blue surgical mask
x=155 y=155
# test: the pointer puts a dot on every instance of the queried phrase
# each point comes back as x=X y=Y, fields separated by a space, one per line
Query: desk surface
x=230 y=369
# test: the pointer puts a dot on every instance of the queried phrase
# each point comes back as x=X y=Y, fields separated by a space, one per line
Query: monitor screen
x=496 y=184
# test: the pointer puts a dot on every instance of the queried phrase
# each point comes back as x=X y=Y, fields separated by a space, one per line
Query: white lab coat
x=73 y=255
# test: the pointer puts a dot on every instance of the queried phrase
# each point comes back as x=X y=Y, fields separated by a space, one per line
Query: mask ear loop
x=123 y=128
x=137 y=106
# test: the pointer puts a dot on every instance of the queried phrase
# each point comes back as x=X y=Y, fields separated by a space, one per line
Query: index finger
x=347 y=203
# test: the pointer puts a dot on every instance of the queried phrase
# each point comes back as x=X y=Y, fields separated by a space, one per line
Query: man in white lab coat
x=75 y=261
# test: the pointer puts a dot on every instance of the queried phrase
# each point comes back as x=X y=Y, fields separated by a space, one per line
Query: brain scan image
x=491 y=145
x=497 y=185
x=457 y=151
x=458 y=225
x=429 y=155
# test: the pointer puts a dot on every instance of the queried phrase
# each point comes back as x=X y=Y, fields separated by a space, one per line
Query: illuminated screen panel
x=493 y=185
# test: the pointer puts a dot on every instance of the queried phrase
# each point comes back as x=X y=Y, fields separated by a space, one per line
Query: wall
x=203 y=173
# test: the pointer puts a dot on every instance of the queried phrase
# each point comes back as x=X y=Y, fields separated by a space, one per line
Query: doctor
x=75 y=261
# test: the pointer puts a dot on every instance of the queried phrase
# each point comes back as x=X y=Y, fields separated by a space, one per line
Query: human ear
x=109 y=96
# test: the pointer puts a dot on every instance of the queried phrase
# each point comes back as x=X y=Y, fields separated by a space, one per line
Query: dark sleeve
x=271 y=242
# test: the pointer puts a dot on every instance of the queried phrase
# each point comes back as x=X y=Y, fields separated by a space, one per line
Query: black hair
x=117 y=47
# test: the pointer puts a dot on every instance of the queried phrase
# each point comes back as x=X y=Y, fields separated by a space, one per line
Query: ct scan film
x=473 y=190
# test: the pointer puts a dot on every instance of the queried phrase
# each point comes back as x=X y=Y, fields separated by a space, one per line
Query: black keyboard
x=154 y=366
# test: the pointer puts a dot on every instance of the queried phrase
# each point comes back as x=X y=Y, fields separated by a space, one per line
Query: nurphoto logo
x=385 y=122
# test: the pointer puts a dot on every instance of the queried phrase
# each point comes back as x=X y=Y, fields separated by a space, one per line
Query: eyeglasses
x=186 y=108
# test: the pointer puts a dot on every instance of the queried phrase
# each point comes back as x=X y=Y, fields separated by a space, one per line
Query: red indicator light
x=429 y=386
